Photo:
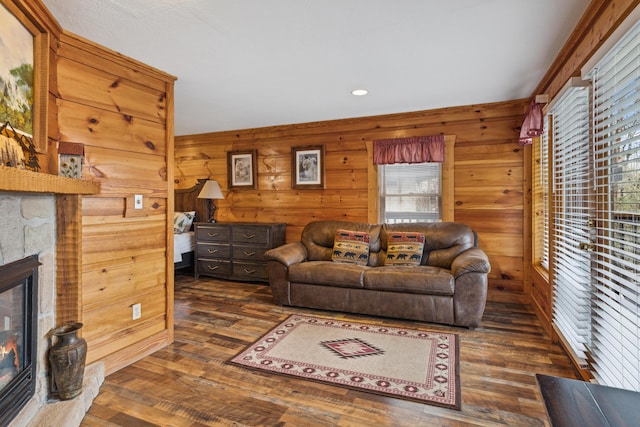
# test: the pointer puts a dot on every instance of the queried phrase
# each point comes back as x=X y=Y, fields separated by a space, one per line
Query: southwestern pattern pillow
x=351 y=247
x=404 y=248
x=182 y=221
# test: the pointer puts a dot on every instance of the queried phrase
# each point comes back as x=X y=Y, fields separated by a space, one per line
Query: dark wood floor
x=189 y=384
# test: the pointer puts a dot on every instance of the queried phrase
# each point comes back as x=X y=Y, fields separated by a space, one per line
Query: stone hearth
x=28 y=227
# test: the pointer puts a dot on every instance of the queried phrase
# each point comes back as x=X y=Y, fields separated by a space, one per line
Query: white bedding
x=184 y=242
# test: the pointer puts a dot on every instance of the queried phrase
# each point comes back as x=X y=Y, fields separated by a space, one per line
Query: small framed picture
x=307 y=167
x=241 y=169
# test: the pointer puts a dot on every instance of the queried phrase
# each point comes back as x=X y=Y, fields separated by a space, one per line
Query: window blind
x=571 y=215
x=616 y=265
x=541 y=188
x=410 y=192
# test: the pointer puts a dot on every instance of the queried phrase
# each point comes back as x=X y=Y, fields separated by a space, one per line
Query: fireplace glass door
x=12 y=334
x=18 y=326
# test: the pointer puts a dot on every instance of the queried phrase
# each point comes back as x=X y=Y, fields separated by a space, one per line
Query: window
x=541 y=197
x=410 y=192
x=571 y=219
x=615 y=298
x=594 y=234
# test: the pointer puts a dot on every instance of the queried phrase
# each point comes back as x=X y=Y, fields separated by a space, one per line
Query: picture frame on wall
x=241 y=169
x=307 y=167
x=25 y=49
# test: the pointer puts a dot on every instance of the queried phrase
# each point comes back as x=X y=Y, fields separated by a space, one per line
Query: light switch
x=137 y=201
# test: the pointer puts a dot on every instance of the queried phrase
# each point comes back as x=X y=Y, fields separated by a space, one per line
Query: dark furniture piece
x=449 y=286
x=582 y=404
x=235 y=250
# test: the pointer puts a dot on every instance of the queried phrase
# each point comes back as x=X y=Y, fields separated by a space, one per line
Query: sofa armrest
x=473 y=260
x=287 y=254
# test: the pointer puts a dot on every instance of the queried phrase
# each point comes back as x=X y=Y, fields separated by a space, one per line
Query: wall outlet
x=136 y=311
x=137 y=201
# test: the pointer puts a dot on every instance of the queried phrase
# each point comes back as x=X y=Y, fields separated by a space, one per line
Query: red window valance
x=532 y=124
x=415 y=149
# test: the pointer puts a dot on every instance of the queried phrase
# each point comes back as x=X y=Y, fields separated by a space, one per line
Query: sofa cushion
x=351 y=247
x=404 y=248
x=444 y=241
x=409 y=279
x=318 y=238
x=328 y=273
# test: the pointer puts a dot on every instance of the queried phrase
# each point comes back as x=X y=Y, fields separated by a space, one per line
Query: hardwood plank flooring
x=188 y=383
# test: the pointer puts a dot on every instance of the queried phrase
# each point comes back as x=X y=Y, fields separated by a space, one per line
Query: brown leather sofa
x=449 y=286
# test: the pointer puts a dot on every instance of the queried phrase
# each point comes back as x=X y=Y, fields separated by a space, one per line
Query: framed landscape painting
x=24 y=49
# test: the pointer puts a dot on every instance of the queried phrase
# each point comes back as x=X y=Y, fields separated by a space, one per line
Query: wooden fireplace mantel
x=20 y=180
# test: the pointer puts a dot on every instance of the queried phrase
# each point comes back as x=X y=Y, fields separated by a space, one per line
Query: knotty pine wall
x=122 y=111
x=601 y=18
x=488 y=170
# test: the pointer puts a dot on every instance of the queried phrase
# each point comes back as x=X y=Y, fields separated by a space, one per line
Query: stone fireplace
x=28 y=228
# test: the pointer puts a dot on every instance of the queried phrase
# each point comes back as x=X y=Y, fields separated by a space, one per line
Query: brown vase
x=67 y=358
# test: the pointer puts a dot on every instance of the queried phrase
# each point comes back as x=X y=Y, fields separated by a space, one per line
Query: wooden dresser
x=235 y=251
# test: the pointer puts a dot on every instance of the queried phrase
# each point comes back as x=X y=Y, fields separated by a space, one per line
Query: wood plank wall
x=600 y=19
x=122 y=111
x=488 y=173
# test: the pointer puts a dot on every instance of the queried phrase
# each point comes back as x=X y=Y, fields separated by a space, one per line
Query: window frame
x=447 y=207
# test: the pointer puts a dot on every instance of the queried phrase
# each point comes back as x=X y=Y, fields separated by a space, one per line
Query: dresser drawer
x=235 y=251
x=254 y=235
x=214 y=267
x=213 y=250
x=250 y=271
x=212 y=233
x=249 y=253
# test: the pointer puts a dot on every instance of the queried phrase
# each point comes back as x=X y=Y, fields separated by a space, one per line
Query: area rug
x=397 y=362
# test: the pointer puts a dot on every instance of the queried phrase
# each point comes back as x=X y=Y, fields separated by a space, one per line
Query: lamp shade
x=211 y=190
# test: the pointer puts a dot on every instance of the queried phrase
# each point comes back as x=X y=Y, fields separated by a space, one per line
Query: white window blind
x=541 y=188
x=570 y=198
x=616 y=264
x=410 y=192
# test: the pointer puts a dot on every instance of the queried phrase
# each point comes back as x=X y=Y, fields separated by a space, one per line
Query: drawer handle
x=212 y=251
x=249 y=236
x=249 y=253
x=212 y=234
x=213 y=268
x=249 y=271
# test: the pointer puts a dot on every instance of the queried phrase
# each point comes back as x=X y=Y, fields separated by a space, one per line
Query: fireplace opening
x=18 y=341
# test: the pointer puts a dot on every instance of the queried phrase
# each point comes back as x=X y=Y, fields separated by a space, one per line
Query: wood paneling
x=121 y=111
x=487 y=171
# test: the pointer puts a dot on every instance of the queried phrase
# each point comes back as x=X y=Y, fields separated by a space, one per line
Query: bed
x=187 y=210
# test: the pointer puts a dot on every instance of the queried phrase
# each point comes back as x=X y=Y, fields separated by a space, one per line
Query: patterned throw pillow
x=404 y=248
x=351 y=247
x=182 y=221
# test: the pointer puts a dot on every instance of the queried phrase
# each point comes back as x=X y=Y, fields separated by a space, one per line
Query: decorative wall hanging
x=70 y=156
x=307 y=167
x=17 y=149
x=241 y=168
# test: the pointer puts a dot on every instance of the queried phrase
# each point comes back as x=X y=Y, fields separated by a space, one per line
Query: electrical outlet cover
x=136 y=310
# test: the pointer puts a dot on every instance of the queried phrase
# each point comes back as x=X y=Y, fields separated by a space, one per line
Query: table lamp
x=210 y=191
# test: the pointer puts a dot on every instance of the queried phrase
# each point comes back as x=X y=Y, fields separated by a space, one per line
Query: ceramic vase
x=67 y=358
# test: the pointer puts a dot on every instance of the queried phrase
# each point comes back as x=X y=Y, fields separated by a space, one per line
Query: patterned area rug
x=397 y=362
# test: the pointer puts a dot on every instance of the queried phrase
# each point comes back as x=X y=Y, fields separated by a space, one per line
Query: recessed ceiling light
x=359 y=92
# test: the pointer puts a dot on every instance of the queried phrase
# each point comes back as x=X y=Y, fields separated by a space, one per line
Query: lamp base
x=211 y=210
